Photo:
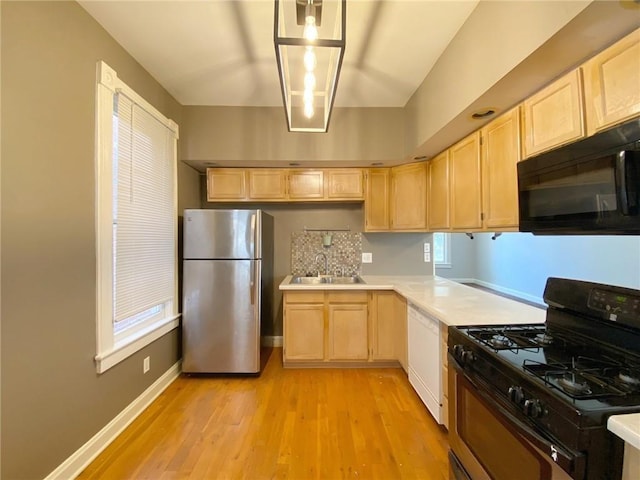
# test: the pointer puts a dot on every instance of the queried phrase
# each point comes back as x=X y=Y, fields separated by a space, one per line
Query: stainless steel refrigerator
x=226 y=289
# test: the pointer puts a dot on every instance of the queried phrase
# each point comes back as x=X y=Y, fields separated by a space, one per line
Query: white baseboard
x=462 y=280
x=272 y=341
x=77 y=462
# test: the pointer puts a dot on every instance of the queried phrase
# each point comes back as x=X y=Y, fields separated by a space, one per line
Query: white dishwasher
x=424 y=359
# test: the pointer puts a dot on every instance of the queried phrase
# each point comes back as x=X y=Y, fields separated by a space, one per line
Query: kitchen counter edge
x=447 y=301
x=627 y=427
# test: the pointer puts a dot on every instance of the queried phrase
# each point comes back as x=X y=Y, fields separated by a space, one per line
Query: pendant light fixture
x=309 y=38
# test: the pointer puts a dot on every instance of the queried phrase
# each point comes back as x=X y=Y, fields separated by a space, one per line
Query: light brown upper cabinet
x=267 y=183
x=466 y=192
x=344 y=184
x=376 y=202
x=612 y=84
x=438 y=192
x=554 y=115
x=500 y=155
x=306 y=184
x=409 y=197
x=284 y=184
x=226 y=184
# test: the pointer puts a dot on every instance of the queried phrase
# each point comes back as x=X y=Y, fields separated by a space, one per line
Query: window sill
x=129 y=346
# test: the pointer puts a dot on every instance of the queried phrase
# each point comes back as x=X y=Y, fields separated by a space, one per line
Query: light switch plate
x=427 y=247
x=367 y=257
x=427 y=257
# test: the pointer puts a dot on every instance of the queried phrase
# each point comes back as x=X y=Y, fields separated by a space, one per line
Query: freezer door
x=212 y=234
x=221 y=316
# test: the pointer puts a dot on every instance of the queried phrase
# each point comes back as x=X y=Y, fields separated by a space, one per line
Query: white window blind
x=136 y=221
x=143 y=214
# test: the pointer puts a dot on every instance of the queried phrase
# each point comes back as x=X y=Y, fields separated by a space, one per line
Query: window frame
x=114 y=347
x=446 y=246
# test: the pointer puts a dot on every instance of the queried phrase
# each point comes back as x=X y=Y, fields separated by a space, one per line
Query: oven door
x=491 y=443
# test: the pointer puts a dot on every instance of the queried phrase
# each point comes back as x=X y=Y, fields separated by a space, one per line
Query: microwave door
x=627 y=181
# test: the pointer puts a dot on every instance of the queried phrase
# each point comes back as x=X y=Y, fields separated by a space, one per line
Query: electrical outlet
x=427 y=257
x=146 y=364
x=427 y=247
x=367 y=257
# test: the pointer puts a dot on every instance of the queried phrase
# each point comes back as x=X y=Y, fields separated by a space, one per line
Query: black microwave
x=589 y=187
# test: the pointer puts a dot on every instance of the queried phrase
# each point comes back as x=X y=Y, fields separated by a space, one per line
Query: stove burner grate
x=543 y=339
x=629 y=378
x=586 y=378
x=570 y=385
x=501 y=341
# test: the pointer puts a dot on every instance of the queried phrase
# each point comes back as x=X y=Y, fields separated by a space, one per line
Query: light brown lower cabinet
x=348 y=327
x=304 y=326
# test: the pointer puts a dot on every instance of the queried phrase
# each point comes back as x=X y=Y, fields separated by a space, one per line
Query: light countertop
x=627 y=427
x=450 y=302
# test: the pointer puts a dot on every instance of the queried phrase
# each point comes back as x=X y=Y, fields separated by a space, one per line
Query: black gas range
x=554 y=385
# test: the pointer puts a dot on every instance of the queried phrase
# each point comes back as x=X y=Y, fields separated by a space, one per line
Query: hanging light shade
x=309 y=37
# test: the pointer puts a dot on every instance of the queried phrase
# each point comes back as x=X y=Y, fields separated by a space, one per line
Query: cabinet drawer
x=304 y=297
x=347 y=296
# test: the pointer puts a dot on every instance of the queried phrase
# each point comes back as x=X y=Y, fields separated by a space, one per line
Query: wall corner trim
x=82 y=457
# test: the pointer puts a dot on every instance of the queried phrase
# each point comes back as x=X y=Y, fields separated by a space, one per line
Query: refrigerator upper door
x=222 y=234
x=221 y=316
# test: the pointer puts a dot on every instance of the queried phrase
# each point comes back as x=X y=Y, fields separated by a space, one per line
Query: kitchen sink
x=355 y=279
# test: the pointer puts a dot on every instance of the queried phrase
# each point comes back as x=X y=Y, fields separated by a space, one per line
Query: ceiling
x=221 y=52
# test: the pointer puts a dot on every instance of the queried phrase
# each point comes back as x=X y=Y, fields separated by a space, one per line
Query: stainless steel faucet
x=326 y=262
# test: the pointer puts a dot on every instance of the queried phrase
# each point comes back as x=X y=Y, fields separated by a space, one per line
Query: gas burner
x=543 y=339
x=628 y=378
x=500 y=341
x=573 y=387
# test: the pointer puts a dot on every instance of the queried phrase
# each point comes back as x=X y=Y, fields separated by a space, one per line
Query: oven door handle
x=569 y=462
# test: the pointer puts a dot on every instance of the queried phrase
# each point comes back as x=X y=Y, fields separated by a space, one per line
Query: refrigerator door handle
x=252 y=284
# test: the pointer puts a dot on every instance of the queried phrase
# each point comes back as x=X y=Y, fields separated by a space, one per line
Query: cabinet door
x=344 y=184
x=348 y=339
x=401 y=334
x=438 y=195
x=267 y=184
x=383 y=325
x=225 y=184
x=303 y=332
x=500 y=155
x=409 y=197
x=376 y=201
x=554 y=115
x=612 y=84
x=306 y=184
x=466 y=199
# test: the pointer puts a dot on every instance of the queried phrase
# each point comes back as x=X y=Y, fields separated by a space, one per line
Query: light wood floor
x=287 y=423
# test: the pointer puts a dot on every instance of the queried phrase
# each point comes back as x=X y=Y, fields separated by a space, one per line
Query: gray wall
x=53 y=401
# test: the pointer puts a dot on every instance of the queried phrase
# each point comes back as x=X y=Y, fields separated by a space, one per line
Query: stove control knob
x=468 y=357
x=516 y=395
x=533 y=408
x=457 y=351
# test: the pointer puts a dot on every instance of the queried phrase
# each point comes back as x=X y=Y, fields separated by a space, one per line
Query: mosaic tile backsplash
x=343 y=256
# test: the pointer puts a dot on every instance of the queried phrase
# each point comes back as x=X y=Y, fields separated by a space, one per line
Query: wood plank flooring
x=287 y=423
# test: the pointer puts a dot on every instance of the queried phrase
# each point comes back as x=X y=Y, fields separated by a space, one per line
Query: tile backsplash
x=343 y=255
